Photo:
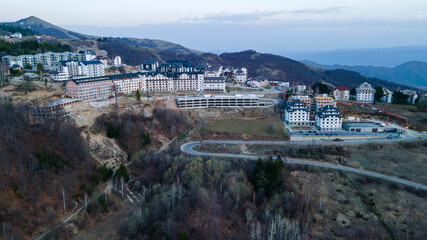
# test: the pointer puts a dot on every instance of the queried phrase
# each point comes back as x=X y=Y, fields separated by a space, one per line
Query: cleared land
x=268 y=128
x=406 y=160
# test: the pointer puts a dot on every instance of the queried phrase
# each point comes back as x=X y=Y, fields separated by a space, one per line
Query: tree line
x=31 y=47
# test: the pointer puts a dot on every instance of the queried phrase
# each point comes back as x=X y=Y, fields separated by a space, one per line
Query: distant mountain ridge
x=49 y=29
x=412 y=73
x=380 y=57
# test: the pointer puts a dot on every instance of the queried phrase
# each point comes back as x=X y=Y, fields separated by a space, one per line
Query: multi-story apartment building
x=90 y=89
x=341 y=93
x=214 y=71
x=321 y=101
x=241 y=75
x=297 y=113
x=329 y=118
x=306 y=99
x=412 y=95
x=128 y=83
x=214 y=84
x=149 y=65
x=81 y=69
x=365 y=93
x=47 y=59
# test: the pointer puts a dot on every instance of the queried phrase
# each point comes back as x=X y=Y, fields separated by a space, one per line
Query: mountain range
x=49 y=29
x=412 y=73
x=378 y=57
x=274 y=67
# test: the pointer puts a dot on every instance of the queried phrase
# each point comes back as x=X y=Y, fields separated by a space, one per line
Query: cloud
x=257 y=15
x=320 y=11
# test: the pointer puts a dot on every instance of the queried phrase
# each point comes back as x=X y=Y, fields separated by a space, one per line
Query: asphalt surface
x=188 y=148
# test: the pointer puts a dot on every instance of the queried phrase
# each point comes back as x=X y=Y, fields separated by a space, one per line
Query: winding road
x=189 y=149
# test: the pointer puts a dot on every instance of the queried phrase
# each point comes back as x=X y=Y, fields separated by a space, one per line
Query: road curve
x=188 y=148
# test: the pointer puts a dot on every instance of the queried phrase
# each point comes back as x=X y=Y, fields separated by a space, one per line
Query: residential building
x=387 y=96
x=329 y=118
x=16 y=35
x=324 y=100
x=92 y=68
x=60 y=76
x=341 y=93
x=149 y=65
x=365 y=93
x=240 y=74
x=129 y=83
x=214 y=71
x=47 y=59
x=179 y=66
x=297 y=113
x=214 y=84
x=90 y=89
x=300 y=88
x=412 y=95
x=117 y=61
x=81 y=69
x=305 y=99
x=258 y=82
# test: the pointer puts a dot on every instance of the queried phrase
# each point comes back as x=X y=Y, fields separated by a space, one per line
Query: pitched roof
x=341 y=88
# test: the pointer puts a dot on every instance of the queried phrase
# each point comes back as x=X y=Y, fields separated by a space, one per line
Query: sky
x=275 y=26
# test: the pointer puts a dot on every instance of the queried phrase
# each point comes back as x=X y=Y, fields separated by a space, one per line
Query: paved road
x=188 y=148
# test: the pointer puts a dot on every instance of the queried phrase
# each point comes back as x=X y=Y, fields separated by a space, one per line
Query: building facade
x=214 y=84
x=208 y=101
x=365 y=93
x=341 y=93
x=47 y=59
x=297 y=113
x=321 y=101
x=329 y=118
x=90 y=89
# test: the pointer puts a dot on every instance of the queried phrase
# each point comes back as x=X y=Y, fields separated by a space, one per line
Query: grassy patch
x=258 y=127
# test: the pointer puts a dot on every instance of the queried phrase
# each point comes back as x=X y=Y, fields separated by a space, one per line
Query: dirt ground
x=368 y=208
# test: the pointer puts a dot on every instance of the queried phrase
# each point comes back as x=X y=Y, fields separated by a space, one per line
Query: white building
x=126 y=85
x=329 y=118
x=387 y=96
x=117 y=61
x=92 y=68
x=341 y=93
x=149 y=65
x=60 y=76
x=214 y=71
x=47 y=59
x=16 y=35
x=214 y=84
x=297 y=113
x=258 y=82
x=365 y=93
x=240 y=74
x=412 y=95
x=81 y=69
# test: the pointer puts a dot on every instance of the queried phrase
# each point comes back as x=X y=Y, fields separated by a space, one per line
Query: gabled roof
x=328 y=111
x=341 y=88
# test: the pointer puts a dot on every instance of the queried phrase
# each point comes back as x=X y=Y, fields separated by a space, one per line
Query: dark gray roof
x=328 y=111
x=149 y=61
x=297 y=105
x=91 y=62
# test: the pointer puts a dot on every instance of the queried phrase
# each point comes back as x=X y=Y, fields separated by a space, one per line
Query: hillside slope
x=49 y=29
x=412 y=73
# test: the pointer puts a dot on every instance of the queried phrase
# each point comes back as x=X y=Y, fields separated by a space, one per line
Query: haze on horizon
x=275 y=26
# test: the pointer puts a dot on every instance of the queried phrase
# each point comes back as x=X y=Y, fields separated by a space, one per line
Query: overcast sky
x=277 y=26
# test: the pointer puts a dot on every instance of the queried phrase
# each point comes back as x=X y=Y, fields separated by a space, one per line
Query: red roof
x=342 y=88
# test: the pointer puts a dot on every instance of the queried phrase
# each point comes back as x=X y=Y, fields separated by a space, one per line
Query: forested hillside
x=30 y=47
x=40 y=165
